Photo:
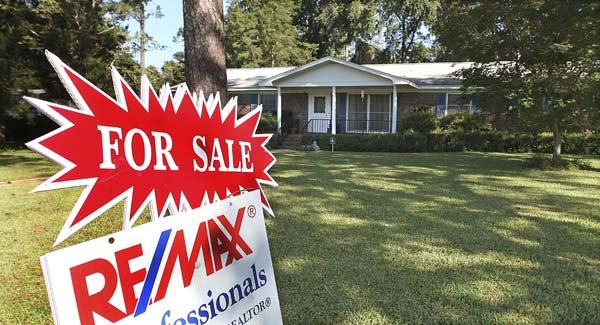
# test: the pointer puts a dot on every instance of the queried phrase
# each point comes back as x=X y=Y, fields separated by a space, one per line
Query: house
x=334 y=96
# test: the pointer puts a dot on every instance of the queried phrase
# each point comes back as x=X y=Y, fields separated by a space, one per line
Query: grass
x=377 y=238
x=21 y=164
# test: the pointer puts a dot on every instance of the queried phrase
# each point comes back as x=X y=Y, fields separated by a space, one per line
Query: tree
x=138 y=11
x=82 y=33
x=260 y=33
x=536 y=61
x=366 y=53
x=335 y=25
x=403 y=22
x=204 y=37
x=173 y=71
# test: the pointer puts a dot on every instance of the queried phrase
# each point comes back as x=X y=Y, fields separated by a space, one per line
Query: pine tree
x=260 y=33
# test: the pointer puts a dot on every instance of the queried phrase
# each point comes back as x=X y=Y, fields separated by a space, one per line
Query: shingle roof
x=250 y=77
x=422 y=74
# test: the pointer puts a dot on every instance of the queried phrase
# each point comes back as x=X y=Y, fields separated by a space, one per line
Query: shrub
x=287 y=120
x=267 y=124
x=493 y=141
x=465 y=122
x=274 y=142
x=420 y=121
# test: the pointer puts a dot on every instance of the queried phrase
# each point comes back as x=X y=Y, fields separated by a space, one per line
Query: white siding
x=333 y=74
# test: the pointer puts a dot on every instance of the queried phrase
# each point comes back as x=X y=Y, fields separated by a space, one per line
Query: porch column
x=279 y=110
x=333 y=110
x=394 y=109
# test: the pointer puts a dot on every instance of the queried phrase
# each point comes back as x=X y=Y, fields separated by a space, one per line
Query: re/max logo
x=210 y=239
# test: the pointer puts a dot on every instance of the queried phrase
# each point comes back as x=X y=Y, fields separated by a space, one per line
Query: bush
x=420 y=121
x=274 y=142
x=267 y=124
x=465 y=122
x=492 y=141
x=287 y=120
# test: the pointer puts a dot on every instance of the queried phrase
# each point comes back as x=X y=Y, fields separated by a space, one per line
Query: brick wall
x=243 y=103
x=298 y=104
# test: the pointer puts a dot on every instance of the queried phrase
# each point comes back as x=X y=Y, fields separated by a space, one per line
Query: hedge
x=491 y=141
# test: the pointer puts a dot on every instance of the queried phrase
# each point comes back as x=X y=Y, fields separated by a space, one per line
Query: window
x=253 y=101
x=440 y=107
x=368 y=113
x=458 y=103
x=319 y=105
x=269 y=103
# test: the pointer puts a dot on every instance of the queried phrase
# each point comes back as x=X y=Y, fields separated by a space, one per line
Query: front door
x=319 y=112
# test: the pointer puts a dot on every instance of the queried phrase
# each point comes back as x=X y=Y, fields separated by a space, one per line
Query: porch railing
x=356 y=126
x=317 y=126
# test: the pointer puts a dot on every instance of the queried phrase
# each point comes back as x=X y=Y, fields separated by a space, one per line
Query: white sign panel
x=211 y=265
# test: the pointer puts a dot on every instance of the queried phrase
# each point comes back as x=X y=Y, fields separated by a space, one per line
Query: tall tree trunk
x=204 y=36
x=143 y=39
x=557 y=145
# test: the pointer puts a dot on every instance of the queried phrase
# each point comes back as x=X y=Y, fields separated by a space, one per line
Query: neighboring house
x=330 y=95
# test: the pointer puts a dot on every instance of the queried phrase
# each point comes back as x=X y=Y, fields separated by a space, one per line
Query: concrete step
x=292 y=141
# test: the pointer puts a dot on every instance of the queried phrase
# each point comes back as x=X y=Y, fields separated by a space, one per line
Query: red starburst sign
x=167 y=152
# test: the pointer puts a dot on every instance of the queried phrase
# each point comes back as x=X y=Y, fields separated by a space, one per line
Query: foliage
x=545 y=162
x=267 y=123
x=465 y=122
x=173 y=71
x=83 y=34
x=421 y=121
x=259 y=33
x=274 y=142
x=403 y=23
x=335 y=25
x=367 y=53
x=138 y=11
x=488 y=141
x=537 y=61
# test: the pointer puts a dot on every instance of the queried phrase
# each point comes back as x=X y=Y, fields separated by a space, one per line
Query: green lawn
x=376 y=238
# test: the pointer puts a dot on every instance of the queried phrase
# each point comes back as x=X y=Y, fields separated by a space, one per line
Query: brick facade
x=244 y=101
x=298 y=105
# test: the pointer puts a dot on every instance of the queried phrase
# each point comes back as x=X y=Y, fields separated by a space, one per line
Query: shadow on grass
x=434 y=238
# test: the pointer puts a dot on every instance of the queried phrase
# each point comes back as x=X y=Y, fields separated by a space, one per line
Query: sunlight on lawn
x=375 y=238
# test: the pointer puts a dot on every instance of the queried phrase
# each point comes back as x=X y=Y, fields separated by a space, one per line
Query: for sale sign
x=163 y=152
x=209 y=265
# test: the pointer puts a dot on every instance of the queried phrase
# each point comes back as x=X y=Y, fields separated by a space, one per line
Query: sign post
x=332 y=142
x=208 y=262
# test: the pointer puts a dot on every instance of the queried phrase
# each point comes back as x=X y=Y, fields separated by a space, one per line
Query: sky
x=163 y=30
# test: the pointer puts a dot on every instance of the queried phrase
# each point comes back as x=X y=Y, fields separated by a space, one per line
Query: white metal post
x=333 y=110
x=394 y=109
x=279 y=110
x=368 y=112
x=446 y=107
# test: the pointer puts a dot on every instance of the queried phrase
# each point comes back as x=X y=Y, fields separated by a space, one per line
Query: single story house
x=330 y=95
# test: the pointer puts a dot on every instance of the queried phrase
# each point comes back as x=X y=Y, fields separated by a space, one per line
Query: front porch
x=351 y=110
x=357 y=110
x=340 y=110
